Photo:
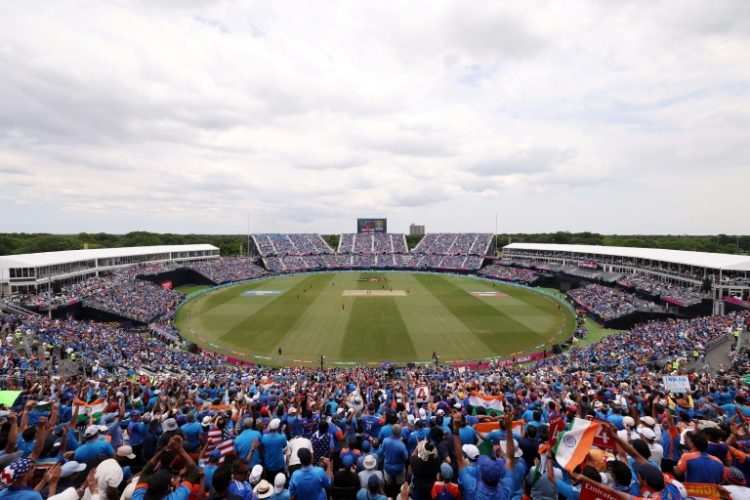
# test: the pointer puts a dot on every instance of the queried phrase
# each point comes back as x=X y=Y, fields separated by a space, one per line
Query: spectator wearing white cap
x=370 y=464
x=279 y=491
x=274 y=445
x=652 y=424
x=628 y=432
x=94 y=447
x=657 y=450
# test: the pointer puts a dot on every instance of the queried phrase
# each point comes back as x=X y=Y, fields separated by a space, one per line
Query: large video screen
x=372 y=225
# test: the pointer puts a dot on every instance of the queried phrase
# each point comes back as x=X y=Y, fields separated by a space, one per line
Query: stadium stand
x=138 y=300
x=287 y=253
x=507 y=273
x=451 y=251
x=687 y=296
x=131 y=420
x=609 y=303
x=227 y=270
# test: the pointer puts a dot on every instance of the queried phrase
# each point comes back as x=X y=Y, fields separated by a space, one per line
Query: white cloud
x=182 y=116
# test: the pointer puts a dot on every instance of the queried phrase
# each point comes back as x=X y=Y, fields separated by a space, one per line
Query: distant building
x=415 y=230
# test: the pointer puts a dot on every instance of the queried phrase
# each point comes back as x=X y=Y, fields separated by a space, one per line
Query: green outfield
x=371 y=317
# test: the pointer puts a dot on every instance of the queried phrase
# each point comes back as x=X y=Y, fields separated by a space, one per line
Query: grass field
x=331 y=314
x=188 y=289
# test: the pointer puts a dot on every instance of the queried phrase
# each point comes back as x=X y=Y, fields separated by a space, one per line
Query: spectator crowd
x=198 y=428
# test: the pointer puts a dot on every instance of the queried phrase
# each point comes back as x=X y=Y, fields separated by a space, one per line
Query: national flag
x=574 y=443
x=43 y=406
x=88 y=411
x=556 y=426
x=487 y=427
x=493 y=405
x=484 y=428
x=220 y=440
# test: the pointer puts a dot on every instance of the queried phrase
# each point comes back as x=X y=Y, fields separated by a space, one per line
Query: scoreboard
x=372 y=225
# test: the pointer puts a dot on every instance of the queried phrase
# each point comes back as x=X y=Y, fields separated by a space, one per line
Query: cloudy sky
x=183 y=115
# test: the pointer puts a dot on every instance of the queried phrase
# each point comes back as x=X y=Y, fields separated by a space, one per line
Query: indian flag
x=493 y=405
x=484 y=428
x=574 y=443
x=93 y=410
x=43 y=406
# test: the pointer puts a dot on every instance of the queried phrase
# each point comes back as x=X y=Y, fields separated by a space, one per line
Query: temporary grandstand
x=683 y=273
x=34 y=272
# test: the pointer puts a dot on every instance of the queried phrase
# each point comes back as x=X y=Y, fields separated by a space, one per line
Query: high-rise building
x=415 y=230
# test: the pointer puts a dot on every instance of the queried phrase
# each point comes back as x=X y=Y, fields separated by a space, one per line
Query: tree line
x=233 y=244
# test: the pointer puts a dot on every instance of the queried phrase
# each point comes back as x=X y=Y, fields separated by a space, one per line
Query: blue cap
x=446 y=471
x=489 y=472
x=347 y=461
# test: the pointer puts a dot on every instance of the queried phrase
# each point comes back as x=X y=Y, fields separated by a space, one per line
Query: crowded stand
x=228 y=269
x=373 y=243
x=137 y=300
x=75 y=292
x=451 y=251
x=154 y=421
x=290 y=244
x=684 y=295
x=454 y=244
x=609 y=303
x=507 y=273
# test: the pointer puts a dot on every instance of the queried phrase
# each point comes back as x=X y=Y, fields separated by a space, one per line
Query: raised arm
x=510 y=445
x=10 y=446
x=41 y=434
x=460 y=460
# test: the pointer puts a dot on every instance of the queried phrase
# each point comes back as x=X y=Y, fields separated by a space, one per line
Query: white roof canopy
x=727 y=262
x=65 y=257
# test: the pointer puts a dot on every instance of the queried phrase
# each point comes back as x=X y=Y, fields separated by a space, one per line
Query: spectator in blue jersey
x=394 y=456
x=273 y=446
x=193 y=432
x=94 y=447
x=243 y=443
x=310 y=482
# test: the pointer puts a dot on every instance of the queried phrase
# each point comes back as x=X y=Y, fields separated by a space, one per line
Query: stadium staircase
x=15 y=309
x=719 y=352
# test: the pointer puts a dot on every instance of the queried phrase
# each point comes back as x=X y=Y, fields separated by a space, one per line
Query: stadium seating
x=609 y=303
x=686 y=296
x=227 y=270
x=138 y=300
x=507 y=273
x=451 y=251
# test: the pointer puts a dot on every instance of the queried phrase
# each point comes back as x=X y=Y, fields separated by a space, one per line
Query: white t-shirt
x=657 y=452
x=295 y=445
